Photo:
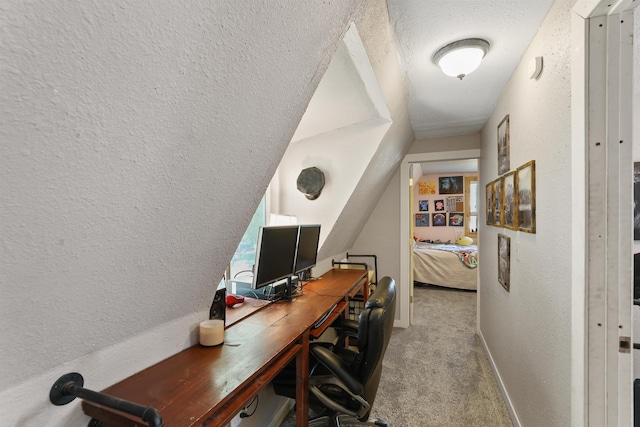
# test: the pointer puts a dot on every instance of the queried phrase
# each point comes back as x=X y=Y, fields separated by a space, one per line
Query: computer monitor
x=307 y=253
x=275 y=254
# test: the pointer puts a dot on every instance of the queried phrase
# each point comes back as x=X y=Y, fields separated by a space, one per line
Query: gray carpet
x=436 y=372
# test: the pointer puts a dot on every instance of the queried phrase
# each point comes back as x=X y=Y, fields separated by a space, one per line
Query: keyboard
x=320 y=321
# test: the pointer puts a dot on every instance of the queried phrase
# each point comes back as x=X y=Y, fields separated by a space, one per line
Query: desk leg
x=302 y=383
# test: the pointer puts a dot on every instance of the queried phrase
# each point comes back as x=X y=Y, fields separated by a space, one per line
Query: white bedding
x=443 y=268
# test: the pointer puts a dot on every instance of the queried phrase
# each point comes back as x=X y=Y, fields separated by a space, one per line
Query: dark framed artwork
x=503 y=146
x=497 y=202
x=510 y=201
x=636 y=201
x=422 y=220
x=438 y=205
x=439 y=219
x=423 y=205
x=504 y=261
x=489 y=203
x=451 y=185
x=456 y=219
x=526 y=185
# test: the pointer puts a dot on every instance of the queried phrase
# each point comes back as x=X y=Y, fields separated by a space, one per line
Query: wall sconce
x=461 y=57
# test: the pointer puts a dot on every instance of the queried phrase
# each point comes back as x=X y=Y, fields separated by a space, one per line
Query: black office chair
x=343 y=381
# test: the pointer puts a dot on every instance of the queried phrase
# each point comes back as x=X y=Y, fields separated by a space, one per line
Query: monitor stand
x=288 y=290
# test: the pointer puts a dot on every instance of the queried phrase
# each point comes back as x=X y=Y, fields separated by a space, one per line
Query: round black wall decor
x=310 y=182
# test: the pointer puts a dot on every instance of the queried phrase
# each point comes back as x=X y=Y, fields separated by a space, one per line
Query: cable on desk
x=244 y=414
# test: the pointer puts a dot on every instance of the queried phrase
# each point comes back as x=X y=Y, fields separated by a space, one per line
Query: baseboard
x=281 y=413
x=503 y=391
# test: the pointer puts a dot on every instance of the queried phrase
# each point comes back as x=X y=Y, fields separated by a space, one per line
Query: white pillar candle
x=212 y=332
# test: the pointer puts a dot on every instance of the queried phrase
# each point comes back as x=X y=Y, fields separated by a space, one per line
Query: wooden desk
x=208 y=386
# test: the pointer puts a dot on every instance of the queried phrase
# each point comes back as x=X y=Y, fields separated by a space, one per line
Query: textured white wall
x=528 y=330
x=636 y=158
x=137 y=142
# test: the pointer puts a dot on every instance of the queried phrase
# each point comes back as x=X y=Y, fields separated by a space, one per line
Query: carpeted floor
x=436 y=373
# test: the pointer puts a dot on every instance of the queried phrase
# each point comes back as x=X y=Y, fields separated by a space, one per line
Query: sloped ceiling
x=339 y=133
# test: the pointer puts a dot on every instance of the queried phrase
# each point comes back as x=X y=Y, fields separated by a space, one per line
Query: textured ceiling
x=440 y=105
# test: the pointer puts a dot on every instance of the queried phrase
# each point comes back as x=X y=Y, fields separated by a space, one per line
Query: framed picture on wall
x=489 y=203
x=526 y=185
x=456 y=219
x=510 y=202
x=451 y=185
x=504 y=261
x=438 y=205
x=422 y=220
x=503 y=146
x=423 y=205
x=439 y=219
x=497 y=202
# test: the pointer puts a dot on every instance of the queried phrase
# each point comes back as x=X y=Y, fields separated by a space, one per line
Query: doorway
x=406 y=246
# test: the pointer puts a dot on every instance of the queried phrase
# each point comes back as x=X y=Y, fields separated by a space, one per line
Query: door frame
x=601 y=228
x=406 y=239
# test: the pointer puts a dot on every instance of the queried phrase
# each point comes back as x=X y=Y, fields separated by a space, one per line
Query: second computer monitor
x=307 y=253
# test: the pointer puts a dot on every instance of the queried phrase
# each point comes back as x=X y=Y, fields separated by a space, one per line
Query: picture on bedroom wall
x=510 y=217
x=439 y=219
x=526 y=185
x=489 y=203
x=456 y=219
x=423 y=205
x=422 y=220
x=504 y=260
x=497 y=202
x=426 y=188
x=503 y=146
x=636 y=201
x=455 y=204
x=451 y=185
x=438 y=205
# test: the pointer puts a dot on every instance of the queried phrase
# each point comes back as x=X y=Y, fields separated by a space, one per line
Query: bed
x=451 y=266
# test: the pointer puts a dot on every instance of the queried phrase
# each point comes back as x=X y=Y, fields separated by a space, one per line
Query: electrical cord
x=244 y=414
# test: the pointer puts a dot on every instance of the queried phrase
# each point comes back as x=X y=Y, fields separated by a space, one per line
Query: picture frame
x=526 y=186
x=510 y=201
x=439 y=219
x=503 y=146
x=438 y=205
x=423 y=205
x=451 y=185
x=489 y=203
x=422 y=220
x=504 y=261
x=456 y=219
x=497 y=202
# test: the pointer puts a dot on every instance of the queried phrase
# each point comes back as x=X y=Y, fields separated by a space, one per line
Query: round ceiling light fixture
x=461 y=57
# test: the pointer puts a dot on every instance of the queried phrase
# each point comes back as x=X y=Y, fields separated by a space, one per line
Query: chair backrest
x=375 y=326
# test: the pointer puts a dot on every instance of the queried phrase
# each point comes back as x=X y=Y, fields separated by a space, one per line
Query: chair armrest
x=347 y=325
x=337 y=367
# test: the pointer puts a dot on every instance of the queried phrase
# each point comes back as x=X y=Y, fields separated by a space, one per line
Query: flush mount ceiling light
x=461 y=57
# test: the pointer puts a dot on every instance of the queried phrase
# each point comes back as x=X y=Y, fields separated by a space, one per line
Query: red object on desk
x=232 y=300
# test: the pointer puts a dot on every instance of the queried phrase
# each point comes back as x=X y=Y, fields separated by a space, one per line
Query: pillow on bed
x=464 y=241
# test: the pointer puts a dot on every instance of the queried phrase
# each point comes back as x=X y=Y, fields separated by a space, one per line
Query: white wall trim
x=579 y=34
x=405 y=213
x=507 y=400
